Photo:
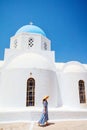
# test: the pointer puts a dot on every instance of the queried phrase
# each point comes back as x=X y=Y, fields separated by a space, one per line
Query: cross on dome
x=31 y=29
x=31 y=23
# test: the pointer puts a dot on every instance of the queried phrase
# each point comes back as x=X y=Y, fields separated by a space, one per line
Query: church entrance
x=30 y=96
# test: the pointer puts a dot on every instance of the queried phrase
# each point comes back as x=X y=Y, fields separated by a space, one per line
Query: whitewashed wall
x=70 y=89
x=14 y=85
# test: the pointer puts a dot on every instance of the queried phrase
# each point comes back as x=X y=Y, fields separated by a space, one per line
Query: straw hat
x=45 y=97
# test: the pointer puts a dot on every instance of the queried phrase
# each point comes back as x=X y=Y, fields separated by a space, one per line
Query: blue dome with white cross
x=31 y=29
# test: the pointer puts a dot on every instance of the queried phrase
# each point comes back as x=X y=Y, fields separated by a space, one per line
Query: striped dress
x=44 y=116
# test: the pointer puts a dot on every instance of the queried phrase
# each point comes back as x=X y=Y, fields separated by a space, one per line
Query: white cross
x=31 y=23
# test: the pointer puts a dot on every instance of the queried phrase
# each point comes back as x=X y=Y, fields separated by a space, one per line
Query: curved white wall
x=14 y=85
x=69 y=88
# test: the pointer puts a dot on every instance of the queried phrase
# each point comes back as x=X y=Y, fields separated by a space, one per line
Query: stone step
x=34 y=115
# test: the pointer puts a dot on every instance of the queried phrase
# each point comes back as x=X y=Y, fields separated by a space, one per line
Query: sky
x=63 y=21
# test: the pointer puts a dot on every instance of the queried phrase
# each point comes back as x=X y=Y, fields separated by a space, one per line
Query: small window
x=82 y=96
x=30 y=42
x=45 y=45
x=15 y=43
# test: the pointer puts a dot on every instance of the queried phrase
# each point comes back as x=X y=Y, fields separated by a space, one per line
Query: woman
x=44 y=117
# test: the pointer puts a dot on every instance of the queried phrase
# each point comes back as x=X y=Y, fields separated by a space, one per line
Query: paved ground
x=58 y=125
x=64 y=125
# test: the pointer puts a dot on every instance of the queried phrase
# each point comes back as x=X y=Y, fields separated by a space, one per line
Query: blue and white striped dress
x=44 y=116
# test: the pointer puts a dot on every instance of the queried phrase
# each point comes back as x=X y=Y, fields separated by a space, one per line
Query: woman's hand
x=44 y=110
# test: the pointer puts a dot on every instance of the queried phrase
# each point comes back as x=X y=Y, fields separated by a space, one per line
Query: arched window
x=82 y=95
x=30 y=99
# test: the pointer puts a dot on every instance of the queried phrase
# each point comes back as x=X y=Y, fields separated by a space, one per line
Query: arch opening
x=82 y=95
x=30 y=94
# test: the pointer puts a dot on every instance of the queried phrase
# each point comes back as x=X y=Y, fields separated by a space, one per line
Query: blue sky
x=63 y=21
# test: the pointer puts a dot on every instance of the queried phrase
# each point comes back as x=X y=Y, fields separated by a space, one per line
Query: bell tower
x=27 y=39
x=30 y=37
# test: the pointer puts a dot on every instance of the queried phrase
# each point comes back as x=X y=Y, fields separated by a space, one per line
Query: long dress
x=44 y=116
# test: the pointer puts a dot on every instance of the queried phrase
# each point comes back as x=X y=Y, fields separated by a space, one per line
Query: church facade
x=29 y=72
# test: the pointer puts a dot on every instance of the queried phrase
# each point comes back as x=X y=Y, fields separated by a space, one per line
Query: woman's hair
x=44 y=99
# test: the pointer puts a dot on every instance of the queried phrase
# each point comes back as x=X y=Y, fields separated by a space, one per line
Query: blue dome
x=31 y=29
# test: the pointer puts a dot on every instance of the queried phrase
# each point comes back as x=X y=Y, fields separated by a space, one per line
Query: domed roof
x=74 y=66
x=31 y=60
x=31 y=29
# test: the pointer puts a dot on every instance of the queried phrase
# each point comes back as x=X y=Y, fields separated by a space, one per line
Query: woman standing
x=44 y=116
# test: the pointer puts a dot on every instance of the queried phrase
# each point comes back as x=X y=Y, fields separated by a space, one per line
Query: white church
x=29 y=72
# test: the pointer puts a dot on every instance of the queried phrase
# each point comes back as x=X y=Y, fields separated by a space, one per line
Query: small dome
x=31 y=29
x=74 y=66
x=31 y=60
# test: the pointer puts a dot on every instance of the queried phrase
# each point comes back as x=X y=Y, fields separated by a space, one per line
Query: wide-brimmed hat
x=45 y=97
